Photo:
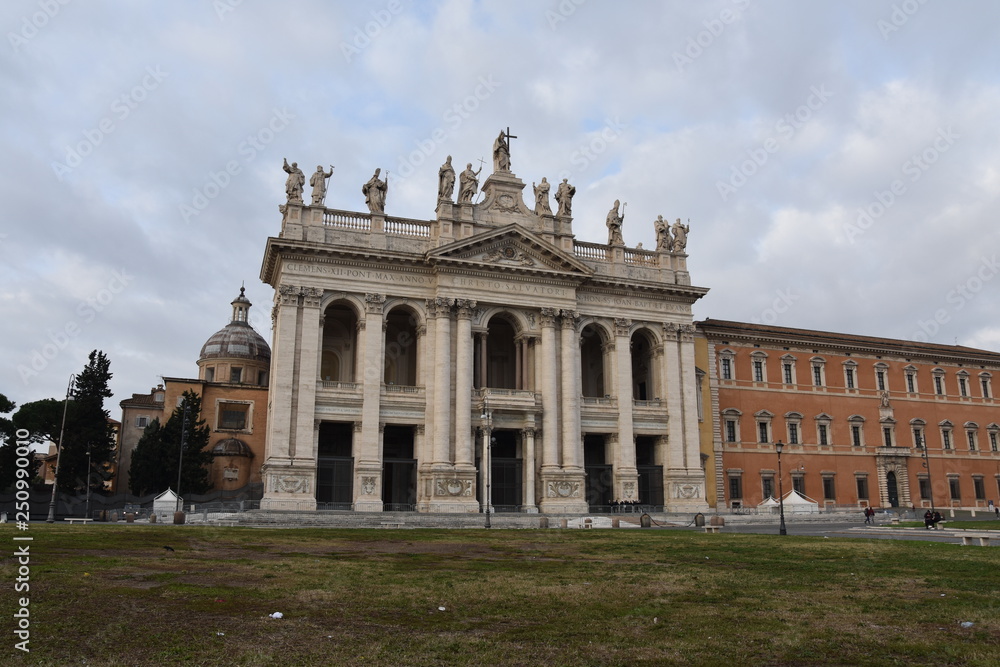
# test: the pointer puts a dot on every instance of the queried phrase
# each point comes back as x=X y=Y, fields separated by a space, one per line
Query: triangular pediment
x=509 y=248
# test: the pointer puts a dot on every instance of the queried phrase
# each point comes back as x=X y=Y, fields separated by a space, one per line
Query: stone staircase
x=337 y=519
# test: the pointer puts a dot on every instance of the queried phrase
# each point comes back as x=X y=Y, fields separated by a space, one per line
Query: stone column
x=624 y=450
x=483 y=359
x=304 y=446
x=463 y=385
x=368 y=470
x=572 y=444
x=442 y=384
x=550 y=393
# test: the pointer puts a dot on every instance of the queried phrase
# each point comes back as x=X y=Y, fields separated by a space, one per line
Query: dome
x=237 y=340
x=232 y=447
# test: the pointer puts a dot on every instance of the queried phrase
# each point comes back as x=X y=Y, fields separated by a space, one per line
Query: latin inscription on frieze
x=633 y=302
x=359 y=274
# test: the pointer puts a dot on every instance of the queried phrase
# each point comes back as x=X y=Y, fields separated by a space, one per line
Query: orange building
x=864 y=421
x=233 y=385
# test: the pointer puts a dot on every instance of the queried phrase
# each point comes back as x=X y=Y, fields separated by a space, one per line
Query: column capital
x=466 y=308
x=528 y=432
x=622 y=326
x=374 y=303
x=549 y=317
x=569 y=318
x=687 y=332
x=670 y=329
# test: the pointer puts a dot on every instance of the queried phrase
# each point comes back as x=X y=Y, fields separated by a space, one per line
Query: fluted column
x=550 y=392
x=463 y=384
x=442 y=383
x=572 y=444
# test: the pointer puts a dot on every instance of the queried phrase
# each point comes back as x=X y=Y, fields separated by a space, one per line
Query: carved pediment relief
x=508 y=247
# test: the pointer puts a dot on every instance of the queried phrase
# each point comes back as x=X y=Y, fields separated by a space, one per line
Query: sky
x=837 y=162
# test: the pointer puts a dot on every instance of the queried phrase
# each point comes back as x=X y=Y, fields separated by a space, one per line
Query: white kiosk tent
x=795 y=503
x=164 y=506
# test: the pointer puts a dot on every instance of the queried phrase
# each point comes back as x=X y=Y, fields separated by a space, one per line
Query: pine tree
x=88 y=430
x=8 y=449
x=156 y=455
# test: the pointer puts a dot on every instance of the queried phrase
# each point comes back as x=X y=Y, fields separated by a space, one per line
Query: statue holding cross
x=501 y=151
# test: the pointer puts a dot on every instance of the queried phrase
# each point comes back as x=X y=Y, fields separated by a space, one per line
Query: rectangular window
x=993 y=442
x=918 y=438
x=946 y=439
x=767 y=484
x=925 y=488
x=142 y=422
x=788 y=374
x=963 y=387
x=849 y=375
x=730 y=431
x=799 y=484
x=735 y=488
x=986 y=388
x=862 y=488
x=977 y=483
x=235 y=375
x=758 y=370
x=727 y=369
x=823 y=439
x=971 y=437
x=856 y=435
x=880 y=380
x=829 y=491
x=818 y=376
x=954 y=488
x=793 y=434
x=762 y=432
x=209 y=375
x=911 y=385
x=232 y=416
x=938 y=385
x=887 y=436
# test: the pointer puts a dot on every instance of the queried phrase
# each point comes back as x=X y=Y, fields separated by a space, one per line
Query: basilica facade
x=480 y=358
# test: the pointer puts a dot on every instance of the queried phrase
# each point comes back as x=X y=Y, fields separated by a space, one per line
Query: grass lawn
x=112 y=595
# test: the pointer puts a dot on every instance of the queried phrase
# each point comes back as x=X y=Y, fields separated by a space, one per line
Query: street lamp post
x=778 y=446
x=62 y=429
x=487 y=420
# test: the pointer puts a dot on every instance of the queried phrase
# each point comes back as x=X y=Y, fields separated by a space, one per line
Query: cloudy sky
x=838 y=161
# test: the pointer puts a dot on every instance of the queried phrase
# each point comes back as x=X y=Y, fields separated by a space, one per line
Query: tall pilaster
x=368 y=471
x=442 y=384
x=685 y=483
x=550 y=393
x=289 y=469
x=528 y=456
x=572 y=443
x=463 y=385
x=626 y=475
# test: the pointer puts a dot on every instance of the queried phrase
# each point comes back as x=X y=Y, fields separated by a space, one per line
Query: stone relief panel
x=290 y=484
x=562 y=490
x=453 y=487
x=687 y=491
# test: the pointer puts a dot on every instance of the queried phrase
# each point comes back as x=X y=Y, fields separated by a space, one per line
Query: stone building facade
x=417 y=363
x=864 y=421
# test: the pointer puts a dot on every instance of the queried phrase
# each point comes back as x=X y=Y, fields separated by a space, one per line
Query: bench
x=390 y=524
x=77 y=519
x=712 y=529
x=969 y=540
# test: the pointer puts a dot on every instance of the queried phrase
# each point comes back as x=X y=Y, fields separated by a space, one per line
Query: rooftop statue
x=318 y=183
x=542 y=198
x=295 y=182
x=564 y=196
x=446 y=181
x=374 y=191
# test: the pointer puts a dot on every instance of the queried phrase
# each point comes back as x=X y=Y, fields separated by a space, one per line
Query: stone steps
x=279 y=519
